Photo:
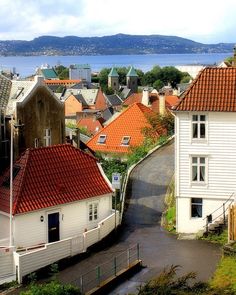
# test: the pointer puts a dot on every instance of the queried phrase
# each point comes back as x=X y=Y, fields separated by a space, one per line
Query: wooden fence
x=232 y=223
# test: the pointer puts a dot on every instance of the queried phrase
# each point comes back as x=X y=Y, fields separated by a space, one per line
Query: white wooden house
x=59 y=192
x=205 y=149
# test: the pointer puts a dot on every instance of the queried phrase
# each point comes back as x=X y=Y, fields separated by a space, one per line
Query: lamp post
x=11 y=184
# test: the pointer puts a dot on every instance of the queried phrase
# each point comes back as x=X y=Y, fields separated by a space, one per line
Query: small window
x=93 y=211
x=36 y=142
x=198 y=169
x=199 y=126
x=125 y=140
x=47 y=137
x=196 y=207
x=102 y=139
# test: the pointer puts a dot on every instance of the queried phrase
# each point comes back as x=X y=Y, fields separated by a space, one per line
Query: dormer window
x=102 y=139
x=125 y=140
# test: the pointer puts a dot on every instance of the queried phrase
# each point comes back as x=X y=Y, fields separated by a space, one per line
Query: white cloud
x=203 y=20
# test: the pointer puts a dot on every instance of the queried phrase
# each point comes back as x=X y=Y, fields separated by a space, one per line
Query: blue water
x=26 y=66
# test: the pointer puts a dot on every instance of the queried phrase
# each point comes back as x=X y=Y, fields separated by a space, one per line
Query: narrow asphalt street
x=158 y=248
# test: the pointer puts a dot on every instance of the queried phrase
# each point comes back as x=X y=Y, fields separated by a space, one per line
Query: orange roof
x=91 y=124
x=129 y=123
x=214 y=89
x=51 y=176
x=61 y=82
x=170 y=100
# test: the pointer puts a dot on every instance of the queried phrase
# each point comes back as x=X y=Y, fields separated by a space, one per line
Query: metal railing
x=97 y=276
x=211 y=218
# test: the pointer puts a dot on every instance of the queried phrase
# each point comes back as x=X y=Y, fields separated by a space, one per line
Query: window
x=198 y=169
x=199 y=126
x=125 y=140
x=93 y=211
x=196 y=207
x=47 y=137
x=36 y=142
x=102 y=139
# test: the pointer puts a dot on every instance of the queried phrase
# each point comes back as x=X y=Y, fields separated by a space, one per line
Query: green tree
x=62 y=72
x=170 y=75
x=122 y=72
x=158 y=84
x=103 y=78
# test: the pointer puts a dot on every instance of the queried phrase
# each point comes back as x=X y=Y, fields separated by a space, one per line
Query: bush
x=52 y=288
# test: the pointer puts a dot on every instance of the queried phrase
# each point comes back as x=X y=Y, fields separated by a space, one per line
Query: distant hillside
x=116 y=44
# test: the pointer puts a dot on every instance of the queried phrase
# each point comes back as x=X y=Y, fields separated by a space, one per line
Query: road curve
x=158 y=248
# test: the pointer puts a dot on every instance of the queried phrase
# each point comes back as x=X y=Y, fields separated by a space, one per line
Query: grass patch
x=225 y=274
x=169 y=215
x=221 y=239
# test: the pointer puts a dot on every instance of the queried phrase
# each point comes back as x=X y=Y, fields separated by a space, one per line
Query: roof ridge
x=14 y=208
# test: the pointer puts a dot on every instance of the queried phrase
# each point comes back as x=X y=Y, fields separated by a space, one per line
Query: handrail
x=221 y=205
x=209 y=218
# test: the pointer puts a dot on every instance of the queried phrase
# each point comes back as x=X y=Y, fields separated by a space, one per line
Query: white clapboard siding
x=6 y=262
x=91 y=237
x=74 y=220
x=220 y=148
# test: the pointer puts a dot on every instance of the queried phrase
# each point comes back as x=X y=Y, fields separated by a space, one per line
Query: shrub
x=52 y=288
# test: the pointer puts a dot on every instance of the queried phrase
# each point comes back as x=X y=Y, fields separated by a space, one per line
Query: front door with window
x=53 y=227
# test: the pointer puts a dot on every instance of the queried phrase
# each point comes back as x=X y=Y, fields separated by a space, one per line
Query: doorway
x=53 y=227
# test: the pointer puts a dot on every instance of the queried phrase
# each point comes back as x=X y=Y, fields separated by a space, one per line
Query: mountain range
x=109 y=45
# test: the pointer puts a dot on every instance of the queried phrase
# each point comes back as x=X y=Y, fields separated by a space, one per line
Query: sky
x=206 y=21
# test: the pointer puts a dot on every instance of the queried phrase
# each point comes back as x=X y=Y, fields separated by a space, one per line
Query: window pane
x=202 y=130
x=195 y=117
x=202 y=160
x=196 y=211
x=194 y=160
x=194 y=172
x=202 y=173
x=202 y=118
x=195 y=132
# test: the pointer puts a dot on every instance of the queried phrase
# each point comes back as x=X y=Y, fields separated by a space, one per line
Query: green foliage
x=112 y=166
x=225 y=275
x=158 y=84
x=62 y=72
x=168 y=283
x=229 y=59
x=108 y=90
x=103 y=77
x=185 y=77
x=215 y=238
x=6 y=286
x=60 y=89
x=122 y=72
x=71 y=125
x=169 y=216
x=52 y=288
x=54 y=270
x=32 y=277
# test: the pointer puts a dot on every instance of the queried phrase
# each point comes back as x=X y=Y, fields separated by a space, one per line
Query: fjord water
x=26 y=65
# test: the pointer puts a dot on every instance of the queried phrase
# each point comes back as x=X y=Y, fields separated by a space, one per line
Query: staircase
x=217 y=221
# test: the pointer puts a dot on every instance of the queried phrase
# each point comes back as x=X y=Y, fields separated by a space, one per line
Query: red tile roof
x=170 y=100
x=91 y=124
x=51 y=176
x=214 y=89
x=129 y=123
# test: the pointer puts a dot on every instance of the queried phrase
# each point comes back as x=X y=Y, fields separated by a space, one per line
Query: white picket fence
x=28 y=262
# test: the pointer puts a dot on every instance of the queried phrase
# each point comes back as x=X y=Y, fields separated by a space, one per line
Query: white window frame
x=36 y=142
x=196 y=204
x=125 y=140
x=198 y=122
x=47 y=137
x=93 y=212
x=102 y=141
x=199 y=165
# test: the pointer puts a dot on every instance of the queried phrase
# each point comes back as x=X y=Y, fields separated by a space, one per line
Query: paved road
x=142 y=225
